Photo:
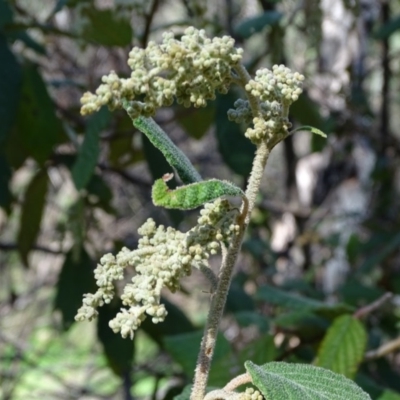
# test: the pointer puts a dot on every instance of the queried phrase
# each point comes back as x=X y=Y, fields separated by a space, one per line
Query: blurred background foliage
x=324 y=240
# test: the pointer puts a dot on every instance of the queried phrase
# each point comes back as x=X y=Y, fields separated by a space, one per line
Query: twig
x=149 y=20
x=123 y=174
x=238 y=381
x=14 y=246
x=383 y=350
x=369 y=308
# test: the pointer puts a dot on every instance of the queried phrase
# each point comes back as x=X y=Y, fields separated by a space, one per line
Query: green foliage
x=51 y=52
x=175 y=157
x=183 y=349
x=5 y=176
x=256 y=24
x=279 y=380
x=105 y=28
x=119 y=352
x=236 y=150
x=38 y=127
x=290 y=301
x=86 y=162
x=31 y=215
x=388 y=28
x=75 y=279
x=196 y=124
x=193 y=195
x=343 y=346
x=310 y=129
x=10 y=85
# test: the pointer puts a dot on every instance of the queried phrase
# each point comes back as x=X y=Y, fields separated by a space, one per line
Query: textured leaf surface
x=88 y=154
x=31 y=216
x=256 y=24
x=118 y=351
x=343 y=346
x=10 y=87
x=37 y=123
x=157 y=165
x=175 y=157
x=76 y=278
x=193 y=195
x=283 y=381
x=106 y=28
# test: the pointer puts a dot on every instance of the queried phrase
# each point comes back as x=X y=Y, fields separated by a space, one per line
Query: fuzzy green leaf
x=175 y=157
x=343 y=346
x=282 y=381
x=311 y=129
x=191 y=196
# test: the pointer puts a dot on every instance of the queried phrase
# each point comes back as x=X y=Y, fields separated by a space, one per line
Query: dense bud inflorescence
x=189 y=70
x=275 y=91
x=251 y=394
x=163 y=257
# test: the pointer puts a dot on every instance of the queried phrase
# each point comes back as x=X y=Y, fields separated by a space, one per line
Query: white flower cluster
x=275 y=90
x=190 y=70
x=163 y=257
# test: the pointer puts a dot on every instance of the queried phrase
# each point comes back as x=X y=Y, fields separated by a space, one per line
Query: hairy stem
x=218 y=299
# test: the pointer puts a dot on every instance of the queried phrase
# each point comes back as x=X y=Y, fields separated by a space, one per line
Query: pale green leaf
x=191 y=196
x=283 y=381
x=311 y=129
x=343 y=346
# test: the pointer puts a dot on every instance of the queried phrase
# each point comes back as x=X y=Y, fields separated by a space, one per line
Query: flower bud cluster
x=275 y=91
x=216 y=225
x=109 y=270
x=189 y=70
x=280 y=84
x=163 y=257
x=251 y=394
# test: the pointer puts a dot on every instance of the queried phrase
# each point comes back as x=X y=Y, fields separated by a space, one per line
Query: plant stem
x=218 y=299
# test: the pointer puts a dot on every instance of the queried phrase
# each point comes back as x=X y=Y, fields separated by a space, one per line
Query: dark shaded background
x=327 y=224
